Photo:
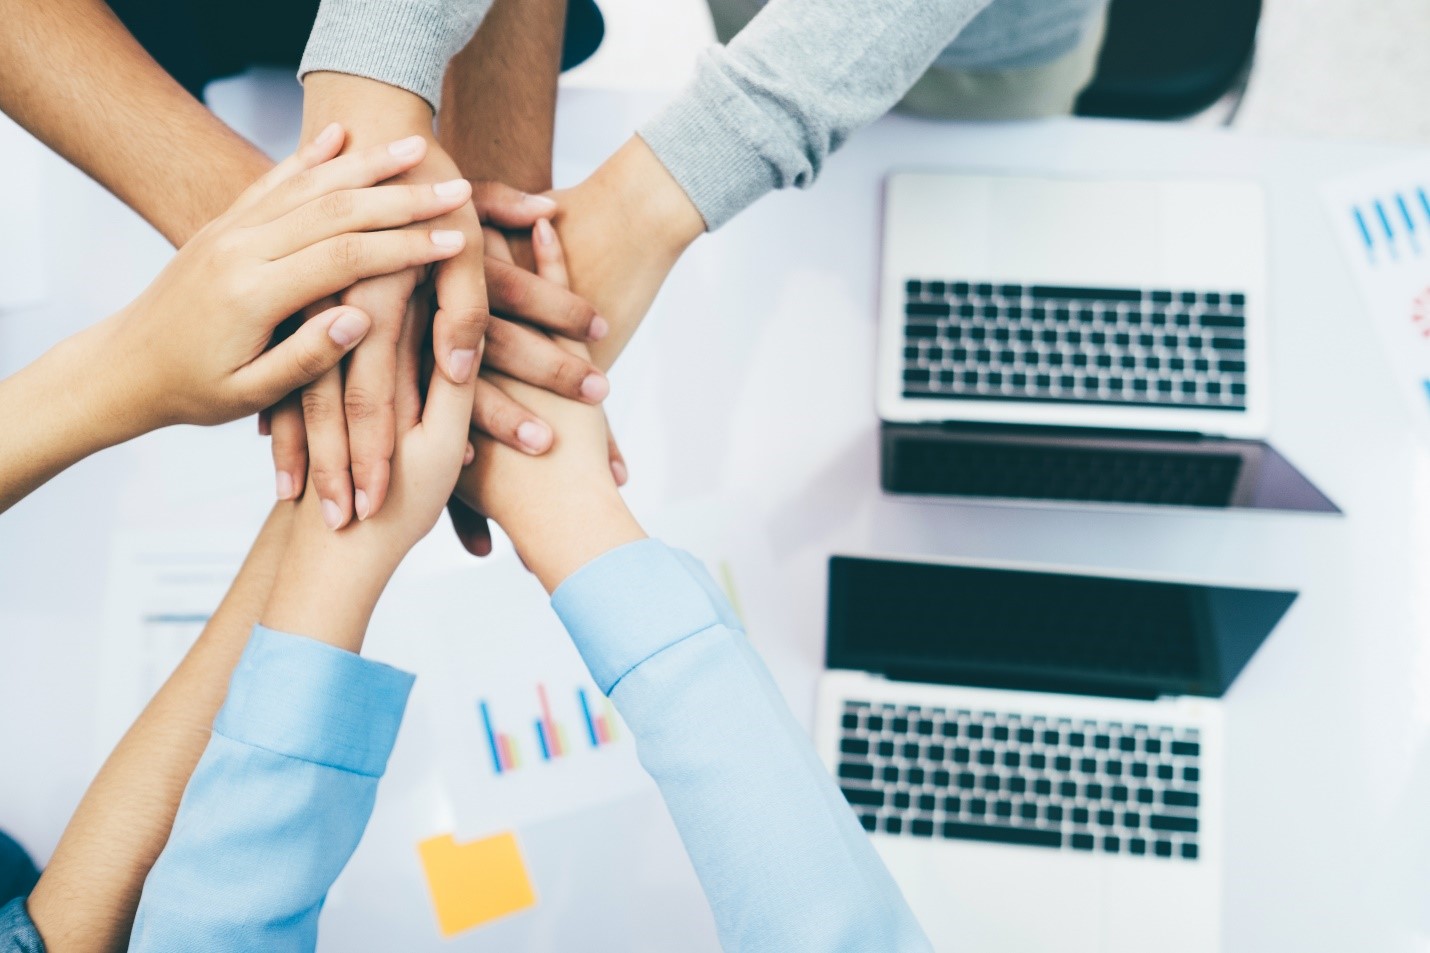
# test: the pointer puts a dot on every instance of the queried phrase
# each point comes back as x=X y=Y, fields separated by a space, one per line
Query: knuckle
x=347 y=252
x=362 y=406
x=335 y=205
x=470 y=320
x=318 y=407
x=311 y=363
x=569 y=372
x=507 y=285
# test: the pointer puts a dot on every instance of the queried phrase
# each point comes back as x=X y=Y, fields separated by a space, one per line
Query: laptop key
x=864 y=797
x=1180 y=798
x=993 y=833
x=1137 y=846
x=1082 y=842
x=893 y=825
x=869 y=821
x=1171 y=822
x=1164 y=848
x=856 y=772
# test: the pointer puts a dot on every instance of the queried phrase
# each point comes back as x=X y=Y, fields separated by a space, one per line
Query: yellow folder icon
x=477 y=882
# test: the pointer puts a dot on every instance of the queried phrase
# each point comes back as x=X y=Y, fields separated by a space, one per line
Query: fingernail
x=329 y=134
x=332 y=516
x=534 y=436
x=539 y=203
x=454 y=189
x=406 y=148
x=360 y=504
x=544 y=234
x=459 y=364
x=347 y=329
x=618 y=470
x=599 y=328
x=447 y=238
x=285 y=486
x=595 y=388
x=469 y=455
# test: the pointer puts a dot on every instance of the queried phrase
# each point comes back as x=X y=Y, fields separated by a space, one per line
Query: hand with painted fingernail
x=194 y=347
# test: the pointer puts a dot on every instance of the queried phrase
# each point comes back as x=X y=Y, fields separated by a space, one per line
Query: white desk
x=1329 y=765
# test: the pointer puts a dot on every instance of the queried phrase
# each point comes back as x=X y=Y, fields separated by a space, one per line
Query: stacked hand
x=341 y=430
x=312 y=225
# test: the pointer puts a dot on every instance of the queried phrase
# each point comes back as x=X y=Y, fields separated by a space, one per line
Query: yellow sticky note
x=477 y=882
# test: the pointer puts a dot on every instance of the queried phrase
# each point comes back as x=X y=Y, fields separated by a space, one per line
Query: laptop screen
x=1043 y=631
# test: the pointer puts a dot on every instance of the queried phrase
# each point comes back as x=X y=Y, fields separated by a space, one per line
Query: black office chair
x=1169 y=59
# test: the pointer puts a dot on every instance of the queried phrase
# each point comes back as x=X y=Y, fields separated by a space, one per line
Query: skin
x=342 y=428
x=312 y=225
x=73 y=76
x=86 y=898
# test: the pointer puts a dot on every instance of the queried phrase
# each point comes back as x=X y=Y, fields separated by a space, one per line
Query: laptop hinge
x=1064 y=685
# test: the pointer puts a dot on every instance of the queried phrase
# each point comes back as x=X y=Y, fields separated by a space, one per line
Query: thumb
x=506 y=207
x=307 y=354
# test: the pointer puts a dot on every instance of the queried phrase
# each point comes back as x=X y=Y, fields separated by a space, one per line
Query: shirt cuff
x=634 y=602
x=707 y=140
x=311 y=701
x=404 y=43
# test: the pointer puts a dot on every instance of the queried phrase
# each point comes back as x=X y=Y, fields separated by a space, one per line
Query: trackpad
x=999 y=898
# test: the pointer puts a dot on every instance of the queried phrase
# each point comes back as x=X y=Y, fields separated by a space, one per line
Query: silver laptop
x=1078 y=339
x=1036 y=754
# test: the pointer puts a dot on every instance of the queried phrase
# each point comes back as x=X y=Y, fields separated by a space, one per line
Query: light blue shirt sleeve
x=782 y=860
x=278 y=801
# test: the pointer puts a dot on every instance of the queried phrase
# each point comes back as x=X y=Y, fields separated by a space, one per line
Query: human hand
x=342 y=426
x=331 y=581
x=622 y=230
x=311 y=226
x=496 y=414
x=563 y=508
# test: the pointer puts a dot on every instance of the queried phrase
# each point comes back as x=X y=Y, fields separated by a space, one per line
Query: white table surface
x=751 y=386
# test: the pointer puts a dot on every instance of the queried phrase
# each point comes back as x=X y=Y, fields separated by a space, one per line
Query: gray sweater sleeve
x=404 y=43
x=766 y=111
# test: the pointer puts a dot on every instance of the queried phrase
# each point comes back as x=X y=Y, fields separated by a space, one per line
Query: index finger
x=462 y=315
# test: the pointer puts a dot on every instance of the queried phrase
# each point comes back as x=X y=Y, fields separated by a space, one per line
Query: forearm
x=125 y=817
x=499 y=98
x=768 y=110
x=330 y=582
x=73 y=76
x=85 y=409
x=278 y=801
x=778 y=852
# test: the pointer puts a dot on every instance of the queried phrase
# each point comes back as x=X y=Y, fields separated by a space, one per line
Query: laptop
x=1038 y=754
x=1082 y=340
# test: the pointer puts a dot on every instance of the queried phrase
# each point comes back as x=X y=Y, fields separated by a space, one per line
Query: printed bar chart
x=600 y=726
x=506 y=756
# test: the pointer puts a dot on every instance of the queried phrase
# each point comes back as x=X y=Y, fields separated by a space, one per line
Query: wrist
x=652 y=200
x=556 y=534
x=372 y=112
x=328 y=583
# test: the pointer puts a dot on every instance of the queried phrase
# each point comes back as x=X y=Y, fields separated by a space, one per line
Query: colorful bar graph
x=600 y=726
x=506 y=755
x=552 y=741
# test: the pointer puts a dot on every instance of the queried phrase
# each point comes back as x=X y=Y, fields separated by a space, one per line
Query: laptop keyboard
x=1090 y=345
x=1061 y=783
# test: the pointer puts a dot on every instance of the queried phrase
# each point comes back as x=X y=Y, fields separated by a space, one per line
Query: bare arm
x=73 y=76
x=500 y=95
x=86 y=899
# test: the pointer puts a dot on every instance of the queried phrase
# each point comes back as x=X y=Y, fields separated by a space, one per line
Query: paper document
x=1382 y=219
x=162 y=588
x=22 y=260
